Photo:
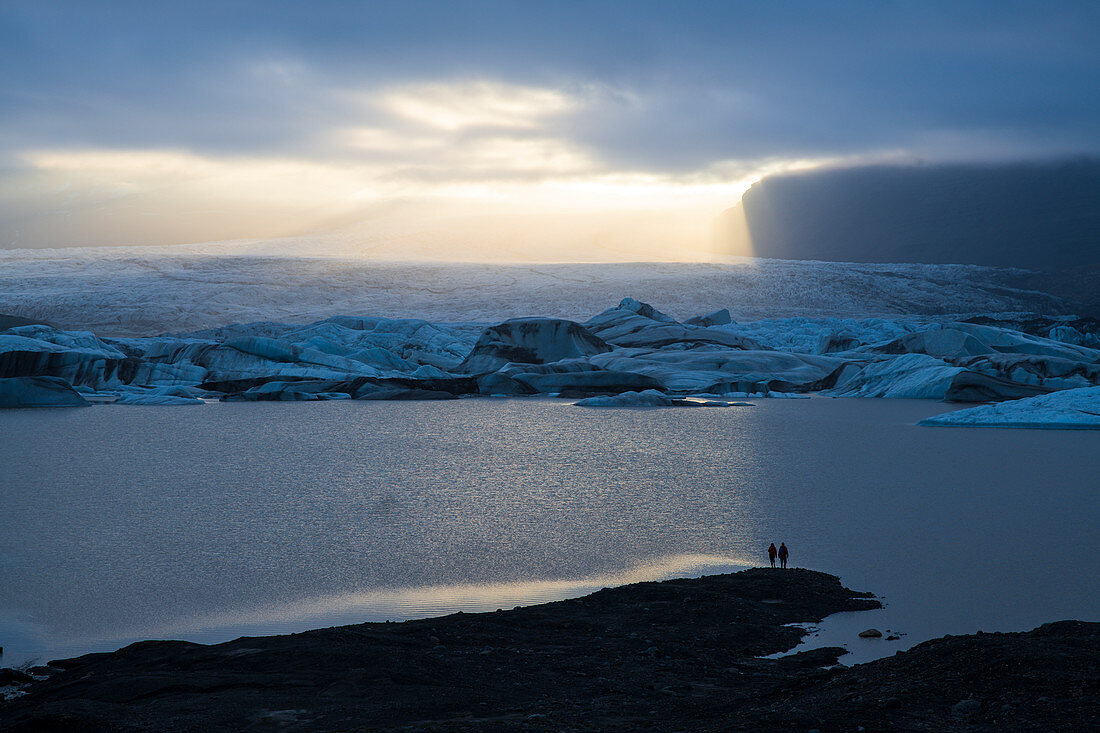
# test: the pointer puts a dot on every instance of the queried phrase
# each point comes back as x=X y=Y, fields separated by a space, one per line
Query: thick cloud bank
x=1041 y=216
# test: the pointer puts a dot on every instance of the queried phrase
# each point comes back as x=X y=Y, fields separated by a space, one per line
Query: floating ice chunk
x=158 y=396
x=1073 y=409
x=649 y=398
x=39 y=392
x=159 y=400
x=646 y=398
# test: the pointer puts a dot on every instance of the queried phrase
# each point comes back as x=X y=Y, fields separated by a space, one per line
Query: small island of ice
x=646 y=398
x=1071 y=409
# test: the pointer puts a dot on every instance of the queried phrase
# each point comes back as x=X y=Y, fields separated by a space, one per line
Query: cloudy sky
x=155 y=123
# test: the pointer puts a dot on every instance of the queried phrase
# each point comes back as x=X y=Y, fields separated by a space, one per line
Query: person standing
x=771 y=554
x=783 y=554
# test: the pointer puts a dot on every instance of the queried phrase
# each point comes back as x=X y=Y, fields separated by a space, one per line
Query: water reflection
x=377 y=605
x=121 y=524
x=426 y=602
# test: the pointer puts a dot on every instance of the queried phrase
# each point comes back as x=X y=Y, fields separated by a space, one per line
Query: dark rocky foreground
x=677 y=655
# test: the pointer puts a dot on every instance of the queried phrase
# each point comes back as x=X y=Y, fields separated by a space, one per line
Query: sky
x=503 y=129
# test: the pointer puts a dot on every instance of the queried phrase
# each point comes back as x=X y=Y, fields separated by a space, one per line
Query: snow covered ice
x=177 y=325
x=1073 y=409
x=631 y=348
x=143 y=291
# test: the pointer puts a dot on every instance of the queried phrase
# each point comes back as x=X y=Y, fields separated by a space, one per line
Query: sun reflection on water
x=401 y=604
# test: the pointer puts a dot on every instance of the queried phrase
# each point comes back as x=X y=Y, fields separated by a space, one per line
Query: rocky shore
x=674 y=655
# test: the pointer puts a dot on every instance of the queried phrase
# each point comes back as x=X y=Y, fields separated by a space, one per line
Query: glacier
x=142 y=291
x=632 y=347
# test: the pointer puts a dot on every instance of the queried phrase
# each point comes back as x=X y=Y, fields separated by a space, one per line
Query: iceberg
x=651 y=398
x=530 y=341
x=39 y=392
x=159 y=396
x=632 y=347
x=577 y=378
x=718 y=370
x=825 y=335
x=919 y=376
x=1073 y=409
x=1049 y=371
x=640 y=325
x=960 y=340
x=646 y=398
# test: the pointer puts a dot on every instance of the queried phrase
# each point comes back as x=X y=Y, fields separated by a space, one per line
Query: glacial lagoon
x=210 y=522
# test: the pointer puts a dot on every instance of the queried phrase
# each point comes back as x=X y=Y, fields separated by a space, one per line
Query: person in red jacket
x=783 y=554
x=771 y=554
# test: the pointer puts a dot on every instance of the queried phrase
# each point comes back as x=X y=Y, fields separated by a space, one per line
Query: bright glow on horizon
x=495 y=161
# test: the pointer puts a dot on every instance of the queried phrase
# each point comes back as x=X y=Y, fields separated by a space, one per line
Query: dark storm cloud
x=684 y=84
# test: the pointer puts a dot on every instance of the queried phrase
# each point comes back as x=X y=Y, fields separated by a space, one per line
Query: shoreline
x=675 y=654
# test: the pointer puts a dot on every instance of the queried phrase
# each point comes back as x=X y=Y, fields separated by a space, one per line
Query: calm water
x=120 y=523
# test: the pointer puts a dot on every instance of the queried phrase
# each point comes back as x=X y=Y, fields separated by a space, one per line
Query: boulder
x=39 y=392
x=870 y=634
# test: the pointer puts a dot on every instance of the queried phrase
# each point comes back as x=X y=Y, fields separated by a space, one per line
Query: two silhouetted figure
x=781 y=553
